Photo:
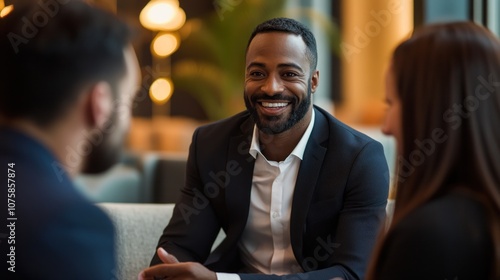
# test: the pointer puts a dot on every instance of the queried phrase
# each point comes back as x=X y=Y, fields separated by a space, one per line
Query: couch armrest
x=138 y=229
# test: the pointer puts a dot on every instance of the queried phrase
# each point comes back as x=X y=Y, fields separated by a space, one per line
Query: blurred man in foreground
x=67 y=77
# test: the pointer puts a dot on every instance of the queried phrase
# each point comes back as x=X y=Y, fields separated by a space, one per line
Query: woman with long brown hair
x=443 y=95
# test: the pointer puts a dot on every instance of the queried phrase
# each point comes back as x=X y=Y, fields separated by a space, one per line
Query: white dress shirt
x=265 y=243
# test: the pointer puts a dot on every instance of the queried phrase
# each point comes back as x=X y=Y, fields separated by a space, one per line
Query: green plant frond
x=205 y=82
x=210 y=74
x=229 y=30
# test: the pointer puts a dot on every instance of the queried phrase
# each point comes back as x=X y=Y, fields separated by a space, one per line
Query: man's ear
x=99 y=104
x=314 y=80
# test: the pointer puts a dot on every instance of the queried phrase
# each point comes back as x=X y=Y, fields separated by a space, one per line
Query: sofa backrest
x=147 y=178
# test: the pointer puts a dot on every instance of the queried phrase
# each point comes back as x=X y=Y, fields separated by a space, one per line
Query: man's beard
x=272 y=125
x=106 y=152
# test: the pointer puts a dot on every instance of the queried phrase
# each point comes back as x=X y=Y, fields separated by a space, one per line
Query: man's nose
x=272 y=85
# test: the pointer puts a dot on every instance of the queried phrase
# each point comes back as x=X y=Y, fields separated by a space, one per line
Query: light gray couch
x=138 y=227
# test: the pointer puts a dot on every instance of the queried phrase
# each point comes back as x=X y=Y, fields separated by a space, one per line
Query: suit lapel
x=307 y=178
x=239 y=188
x=237 y=194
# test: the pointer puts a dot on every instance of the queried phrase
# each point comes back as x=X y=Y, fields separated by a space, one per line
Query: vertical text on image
x=11 y=218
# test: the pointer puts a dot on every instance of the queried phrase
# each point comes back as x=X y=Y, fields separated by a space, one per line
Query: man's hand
x=173 y=269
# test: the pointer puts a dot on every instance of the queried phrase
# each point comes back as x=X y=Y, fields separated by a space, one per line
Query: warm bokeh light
x=161 y=90
x=165 y=44
x=6 y=10
x=177 y=22
x=162 y=15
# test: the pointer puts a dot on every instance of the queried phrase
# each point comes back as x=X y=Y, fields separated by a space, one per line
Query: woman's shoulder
x=446 y=236
x=449 y=212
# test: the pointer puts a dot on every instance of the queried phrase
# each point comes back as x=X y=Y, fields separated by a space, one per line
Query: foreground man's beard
x=105 y=153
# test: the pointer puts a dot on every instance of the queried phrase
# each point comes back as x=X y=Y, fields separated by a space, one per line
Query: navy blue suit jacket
x=58 y=234
x=338 y=204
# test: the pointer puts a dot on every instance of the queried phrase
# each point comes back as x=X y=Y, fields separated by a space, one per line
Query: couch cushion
x=138 y=229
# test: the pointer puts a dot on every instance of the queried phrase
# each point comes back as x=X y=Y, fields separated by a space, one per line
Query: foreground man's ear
x=99 y=104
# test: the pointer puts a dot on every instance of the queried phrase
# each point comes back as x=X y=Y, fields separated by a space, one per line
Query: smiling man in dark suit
x=298 y=194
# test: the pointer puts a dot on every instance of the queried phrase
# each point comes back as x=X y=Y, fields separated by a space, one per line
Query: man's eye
x=256 y=74
x=290 y=74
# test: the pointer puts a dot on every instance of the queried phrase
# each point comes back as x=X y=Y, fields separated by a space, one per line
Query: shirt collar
x=298 y=151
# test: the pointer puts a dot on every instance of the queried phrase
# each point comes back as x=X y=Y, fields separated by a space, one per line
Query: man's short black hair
x=49 y=50
x=292 y=26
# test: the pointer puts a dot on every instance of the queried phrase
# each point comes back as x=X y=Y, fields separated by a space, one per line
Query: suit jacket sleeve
x=90 y=235
x=76 y=243
x=363 y=213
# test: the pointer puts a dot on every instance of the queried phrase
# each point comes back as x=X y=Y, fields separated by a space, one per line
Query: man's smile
x=273 y=108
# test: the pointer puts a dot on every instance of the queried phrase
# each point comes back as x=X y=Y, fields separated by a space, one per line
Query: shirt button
x=275 y=214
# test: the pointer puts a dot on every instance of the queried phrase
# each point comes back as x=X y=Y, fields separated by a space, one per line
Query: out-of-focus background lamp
x=5 y=8
x=164 y=17
x=161 y=90
x=164 y=44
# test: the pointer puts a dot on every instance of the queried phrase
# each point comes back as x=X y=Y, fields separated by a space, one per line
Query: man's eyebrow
x=281 y=65
x=293 y=65
x=256 y=64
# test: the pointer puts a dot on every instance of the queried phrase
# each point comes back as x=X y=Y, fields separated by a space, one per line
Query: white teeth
x=274 y=105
